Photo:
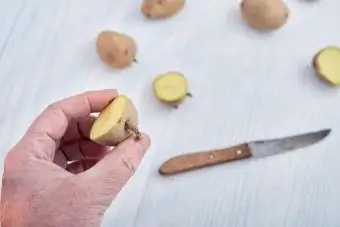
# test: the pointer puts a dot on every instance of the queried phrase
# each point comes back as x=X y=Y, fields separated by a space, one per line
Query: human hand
x=40 y=188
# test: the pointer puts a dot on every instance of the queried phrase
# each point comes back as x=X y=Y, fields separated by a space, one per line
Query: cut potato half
x=327 y=65
x=116 y=122
x=171 y=88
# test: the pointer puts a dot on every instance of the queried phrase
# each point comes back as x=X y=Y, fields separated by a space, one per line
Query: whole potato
x=115 y=49
x=265 y=14
x=159 y=9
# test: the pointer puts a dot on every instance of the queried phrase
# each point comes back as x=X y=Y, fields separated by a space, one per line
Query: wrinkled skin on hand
x=41 y=188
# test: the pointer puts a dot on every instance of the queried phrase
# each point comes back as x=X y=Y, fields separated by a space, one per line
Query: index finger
x=50 y=126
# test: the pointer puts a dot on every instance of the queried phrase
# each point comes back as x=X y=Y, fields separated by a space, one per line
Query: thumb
x=113 y=171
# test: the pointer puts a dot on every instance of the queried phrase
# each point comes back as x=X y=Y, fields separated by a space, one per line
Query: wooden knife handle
x=192 y=161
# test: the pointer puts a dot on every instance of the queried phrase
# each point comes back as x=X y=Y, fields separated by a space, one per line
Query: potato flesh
x=110 y=126
x=328 y=65
x=109 y=117
x=171 y=87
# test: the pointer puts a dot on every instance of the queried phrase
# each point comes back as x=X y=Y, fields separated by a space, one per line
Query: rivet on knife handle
x=188 y=162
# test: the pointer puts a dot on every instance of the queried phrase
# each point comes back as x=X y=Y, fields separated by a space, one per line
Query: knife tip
x=326 y=132
x=160 y=171
x=163 y=172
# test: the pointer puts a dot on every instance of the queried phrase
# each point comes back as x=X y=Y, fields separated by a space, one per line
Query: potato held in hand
x=171 y=88
x=265 y=14
x=116 y=122
x=327 y=65
x=116 y=50
x=159 y=9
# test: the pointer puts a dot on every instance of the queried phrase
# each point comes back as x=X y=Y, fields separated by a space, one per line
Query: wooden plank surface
x=246 y=86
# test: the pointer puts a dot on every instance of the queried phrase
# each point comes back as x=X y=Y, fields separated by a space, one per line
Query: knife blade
x=254 y=149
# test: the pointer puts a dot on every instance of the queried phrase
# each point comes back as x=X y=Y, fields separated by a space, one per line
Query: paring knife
x=255 y=149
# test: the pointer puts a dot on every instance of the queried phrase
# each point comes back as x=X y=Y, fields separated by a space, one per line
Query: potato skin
x=315 y=58
x=116 y=50
x=160 y=9
x=316 y=67
x=264 y=14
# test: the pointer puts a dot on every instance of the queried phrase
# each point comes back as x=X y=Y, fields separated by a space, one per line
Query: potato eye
x=161 y=2
x=126 y=52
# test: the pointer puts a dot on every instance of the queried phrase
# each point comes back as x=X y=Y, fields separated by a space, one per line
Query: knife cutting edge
x=255 y=149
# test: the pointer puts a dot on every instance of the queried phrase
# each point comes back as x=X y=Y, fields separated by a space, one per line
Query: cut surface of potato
x=115 y=49
x=159 y=9
x=327 y=64
x=264 y=14
x=171 y=87
x=116 y=122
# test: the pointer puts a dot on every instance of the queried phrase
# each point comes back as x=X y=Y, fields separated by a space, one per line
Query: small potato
x=159 y=9
x=265 y=14
x=115 y=49
x=326 y=63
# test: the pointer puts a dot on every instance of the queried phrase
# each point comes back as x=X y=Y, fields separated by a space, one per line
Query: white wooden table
x=246 y=86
